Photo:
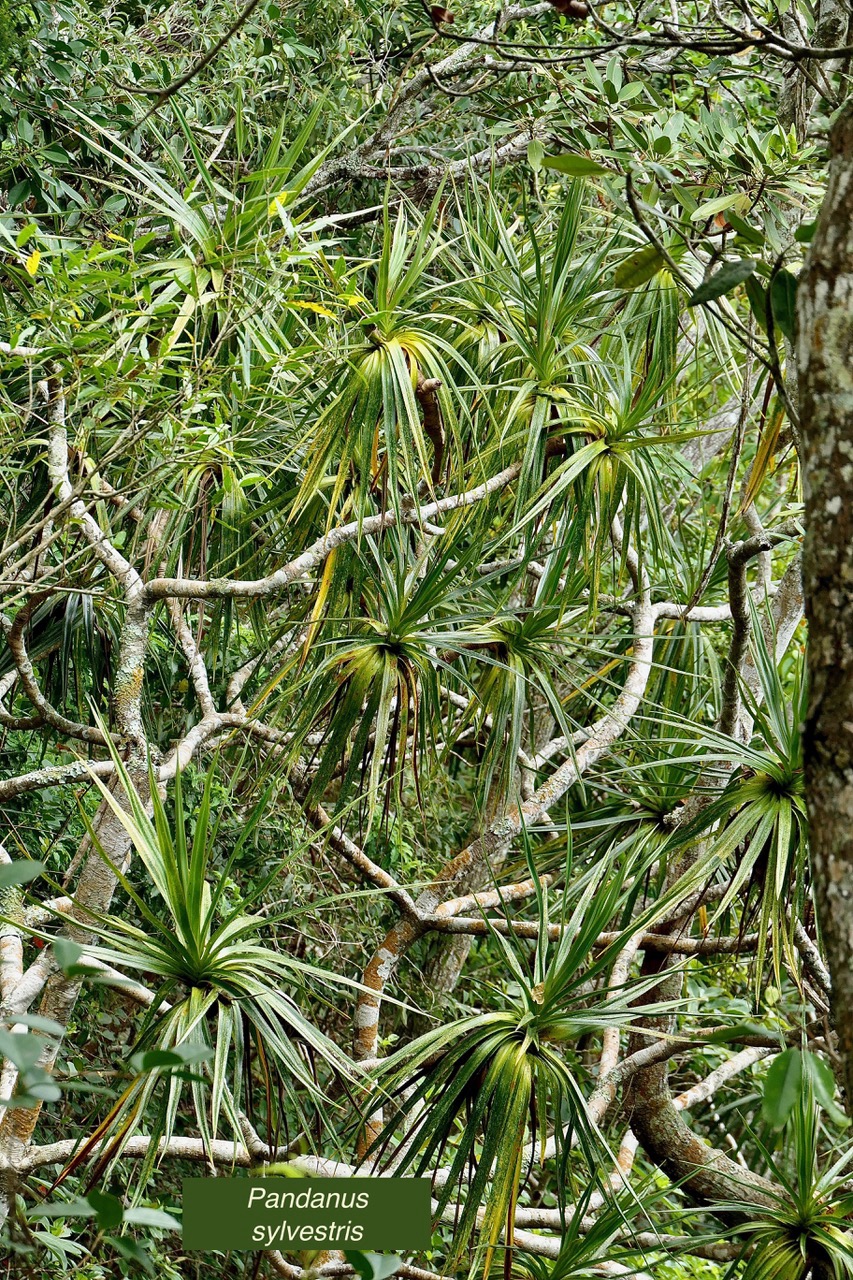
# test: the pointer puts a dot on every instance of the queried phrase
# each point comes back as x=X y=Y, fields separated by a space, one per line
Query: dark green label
x=307 y=1213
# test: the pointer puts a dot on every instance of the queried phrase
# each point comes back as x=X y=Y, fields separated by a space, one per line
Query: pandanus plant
x=222 y=991
x=372 y=698
x=372 y=692
x=805 y=1234
x=565 y=375
x=371 y=435
x=474 y=1093
x=755 y=828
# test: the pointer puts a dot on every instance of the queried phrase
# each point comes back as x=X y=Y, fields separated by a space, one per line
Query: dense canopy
x=417 y=429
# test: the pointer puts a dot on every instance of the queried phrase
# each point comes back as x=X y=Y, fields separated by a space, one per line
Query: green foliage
x=17 y=22
x=372 y=1266
x=791 y=1075
x=220 y=987
x=277 y=304
x=506 y=1075
x=109 y=1213
x=723 y=281
x=763 y=807
x=808 y=1227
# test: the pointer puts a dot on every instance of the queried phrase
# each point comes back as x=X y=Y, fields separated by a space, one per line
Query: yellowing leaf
x=319 y=605
x=316 y=307
x=639 y=267
x=31 y=265
x=182 y=320
x=278 y=202
x=764 y=454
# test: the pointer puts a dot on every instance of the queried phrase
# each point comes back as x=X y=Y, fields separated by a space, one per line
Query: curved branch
x=318 y=552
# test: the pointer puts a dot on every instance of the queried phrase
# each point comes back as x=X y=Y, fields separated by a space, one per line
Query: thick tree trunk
x=825 y=306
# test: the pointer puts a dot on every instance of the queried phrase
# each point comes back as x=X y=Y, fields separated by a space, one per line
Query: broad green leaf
x=67 y=952
x=823 y=1083
x=733 y=200
x=21 y=1048
x=535 y=155
x=783 y=300
x=757 y=297
x=738 y=1031
x=36 y=1022
x=573 y=166
x=145 y=1217
x=109 y=1209
x=133 y=1250
x=782 y=1088
x=179 y=1056
x=19 y=872
x=77 y=1208
x=723 y=281
x=746 y=231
